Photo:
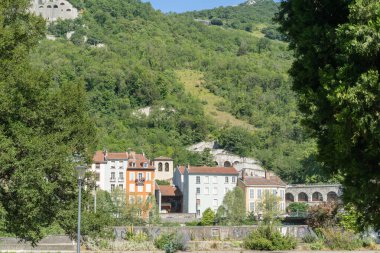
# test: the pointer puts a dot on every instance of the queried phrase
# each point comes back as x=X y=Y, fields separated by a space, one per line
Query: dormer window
x=145 y=165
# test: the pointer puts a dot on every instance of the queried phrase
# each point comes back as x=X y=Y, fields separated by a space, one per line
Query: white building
x=110 y=169
x=204 y=187
x=255 y=189
x=164 y=168
x=52 y=10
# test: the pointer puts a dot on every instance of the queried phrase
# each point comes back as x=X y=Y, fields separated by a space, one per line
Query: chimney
x=243 y=174
x=105 y=154
x=267 y=175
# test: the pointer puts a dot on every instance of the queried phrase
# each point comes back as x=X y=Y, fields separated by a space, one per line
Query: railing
x=140 y=181
x=298 y=214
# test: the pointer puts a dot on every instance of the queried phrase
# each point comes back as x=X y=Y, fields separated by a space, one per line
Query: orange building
x=139 y=179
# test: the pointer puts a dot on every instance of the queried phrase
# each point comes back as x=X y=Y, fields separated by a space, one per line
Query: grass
x=192 y=81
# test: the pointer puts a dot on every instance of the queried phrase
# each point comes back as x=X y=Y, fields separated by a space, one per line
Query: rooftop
x=168 y=190
x=209 y=170
x=272 y=180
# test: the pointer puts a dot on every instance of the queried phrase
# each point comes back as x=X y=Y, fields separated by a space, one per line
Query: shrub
x=318 y=245
x=208 y=217
x=297 y=206
x=323 y=215
x=369 y=242
x=309 y=238
x=216 y=21
x=268 y=238
x=341 y=240
x=170 y=242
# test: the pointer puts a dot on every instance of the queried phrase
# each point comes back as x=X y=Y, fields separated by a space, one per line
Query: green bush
x=309 y=238
x=318 y=245
x=192 y=223
x=297 y=206
x=341 y=240
x=170 y=242
x=208 y=217
x=268 y=238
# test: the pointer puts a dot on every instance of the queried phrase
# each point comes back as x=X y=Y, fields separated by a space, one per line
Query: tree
x=336 y=74
x=269 y=207
x=323 y=215
x=42 y=124
x=208 y=217
x=232 y=211
x=237 y=140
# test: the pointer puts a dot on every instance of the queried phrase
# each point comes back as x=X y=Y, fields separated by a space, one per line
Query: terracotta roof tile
x=274 y=180
x=117 y=156
x=168 y=190
x=213 y=170
x=98 y=157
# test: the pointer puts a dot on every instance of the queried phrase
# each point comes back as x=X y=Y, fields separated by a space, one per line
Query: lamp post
x=81 y=170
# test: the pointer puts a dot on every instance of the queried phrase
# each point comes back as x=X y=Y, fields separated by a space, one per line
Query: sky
x=189 y=5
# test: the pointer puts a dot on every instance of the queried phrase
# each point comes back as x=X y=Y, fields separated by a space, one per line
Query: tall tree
x=336 y=74
x=42 y=124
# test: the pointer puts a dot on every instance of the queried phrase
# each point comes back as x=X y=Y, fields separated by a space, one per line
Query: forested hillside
x=128 y=56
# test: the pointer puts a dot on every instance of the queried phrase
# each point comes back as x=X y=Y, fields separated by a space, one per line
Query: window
x=282 y=193
x=145 y=165
x=226 y=180
x=198 y=202
x=282 y=206
x=166 y=166
x=112 y=187
x=274 y=192
x=121 y=165
x=259 y=193
x=148 y=188
x=139 y=199
x=112 y=176
x=159 y=166
x=266 y=192
x=131 y=176
x=198 y=190
x=215 y=191
x=132 y=199
x=121 y=186
x=121 y=176
x=215 y=203
x=148 y=176
x=131 y=187
x=97 y=166
x=198 y=212
x=139 y=176
x=233 y=179
x=214 y=179
x=97 y=176
x=251 y=206
x=198 y=180
x=139 y=188
x=207 y=191
x=251 y=193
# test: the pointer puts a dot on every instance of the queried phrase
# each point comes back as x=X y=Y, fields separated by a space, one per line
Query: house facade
x=109 y=169
x=204 y=187
x=256 y=188
x=164 y=168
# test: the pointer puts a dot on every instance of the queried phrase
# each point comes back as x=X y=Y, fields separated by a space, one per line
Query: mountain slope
x=140 y=64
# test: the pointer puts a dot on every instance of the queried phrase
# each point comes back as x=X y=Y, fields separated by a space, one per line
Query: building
x=169 y=199
x=140 y=178
x=204 y=187
x=164 y=168
x=110 y=169
x=52 y=10
x=313 y=194
x=255 y=188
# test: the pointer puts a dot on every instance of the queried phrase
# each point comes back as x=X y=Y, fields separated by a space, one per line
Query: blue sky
x=189 y=5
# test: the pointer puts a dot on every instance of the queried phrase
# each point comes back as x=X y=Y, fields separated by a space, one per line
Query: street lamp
x=81 y=169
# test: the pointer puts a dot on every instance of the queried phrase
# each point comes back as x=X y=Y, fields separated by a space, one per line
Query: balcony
x=140 y=181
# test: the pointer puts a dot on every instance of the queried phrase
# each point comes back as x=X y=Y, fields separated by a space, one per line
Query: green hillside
x=130 y=56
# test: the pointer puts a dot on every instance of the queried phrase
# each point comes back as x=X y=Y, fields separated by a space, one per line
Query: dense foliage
x=130 y=60
x=43 y=122
x=269 y=238
x=336 y=76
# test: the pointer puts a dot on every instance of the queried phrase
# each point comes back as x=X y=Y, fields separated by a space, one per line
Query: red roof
x=131 y=157
x=273 y=180
x=212 y=170
x=117 y=156
x=168 y=190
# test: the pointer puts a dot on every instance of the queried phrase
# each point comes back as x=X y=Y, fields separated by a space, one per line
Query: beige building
x=164 y=168
x=256 y=187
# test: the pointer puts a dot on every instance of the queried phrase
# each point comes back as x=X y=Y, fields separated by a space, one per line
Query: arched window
x=317 y=196
x=62 y=4
x=332 y=196
x=49 y=6
x=289 y=197
x=55 y=6
x=159 y=166
x=302 y=197
x=227 y=164
x=216 y=163
x=166 y=166
x=68 y=10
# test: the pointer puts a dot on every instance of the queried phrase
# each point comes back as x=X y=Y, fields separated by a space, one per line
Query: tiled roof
x=98 y=157
x=117 y=156
x=213 y=170
x=168 y=190
x=273 y=180
x=163 y=158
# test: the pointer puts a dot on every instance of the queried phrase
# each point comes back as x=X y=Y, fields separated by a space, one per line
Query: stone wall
x=310 y=189
x=209 y=232
x=178 y=217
